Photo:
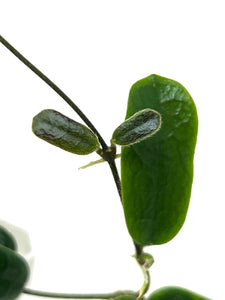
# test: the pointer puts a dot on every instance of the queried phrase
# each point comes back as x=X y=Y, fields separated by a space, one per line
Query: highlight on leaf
x=138 y=127
x=65 y=133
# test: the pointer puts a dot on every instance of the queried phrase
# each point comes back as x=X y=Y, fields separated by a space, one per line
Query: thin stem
x=80 y=296
x=55 y=88
x=116 y=177
x=146 y=283
x=108 y=157
x=108 y=154
x=105 y=148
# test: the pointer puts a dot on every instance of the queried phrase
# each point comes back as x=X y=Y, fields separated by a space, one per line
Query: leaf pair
x=69 y=135
x=14 y=270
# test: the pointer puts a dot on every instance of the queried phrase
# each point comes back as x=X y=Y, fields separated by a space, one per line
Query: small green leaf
x=6 y=239
x=157 y=174
x=138 y=127
x=174 y=292
x=146 y=260
x=14 y=273
x=67 y=134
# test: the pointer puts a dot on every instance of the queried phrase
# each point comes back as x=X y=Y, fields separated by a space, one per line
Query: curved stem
x=55 y=88
x=108 y=154
x=146 y=283
x=79 y=296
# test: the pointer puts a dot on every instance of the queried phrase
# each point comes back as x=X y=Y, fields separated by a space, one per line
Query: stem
x=56 y=89
x=146 y=284
x=116 y=177
x=105 y=148
x=108 y=154
x=80 y=296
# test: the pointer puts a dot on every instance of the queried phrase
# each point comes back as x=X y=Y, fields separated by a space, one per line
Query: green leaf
x=6 y=239
x=67 y=134
x=157 y=174
x=13 y=273
x=174 y=292
x=138 y=127
x=126 y=297
x=146 y=260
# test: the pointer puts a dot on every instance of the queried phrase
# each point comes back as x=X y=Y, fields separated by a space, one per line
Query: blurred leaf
x=67 y=134
x=138 y=127
x=7 y=239
x=126 y=297
x=157 y=174
x=174 y=292
x=13 y=273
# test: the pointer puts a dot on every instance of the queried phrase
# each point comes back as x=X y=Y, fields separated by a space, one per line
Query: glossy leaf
x=138 y=127
x=7 y=239
x=61 y=131
x=13 y=273
x=174 y=292
x=157 y=173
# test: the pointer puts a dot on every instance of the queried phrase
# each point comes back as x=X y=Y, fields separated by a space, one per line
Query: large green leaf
x=157 y=173
x=13 y=273
x=175 y=293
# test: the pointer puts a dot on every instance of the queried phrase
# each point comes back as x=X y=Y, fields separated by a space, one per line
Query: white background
x=95 y=50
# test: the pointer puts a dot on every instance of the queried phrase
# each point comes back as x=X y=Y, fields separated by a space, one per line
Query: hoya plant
x=157 y=140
